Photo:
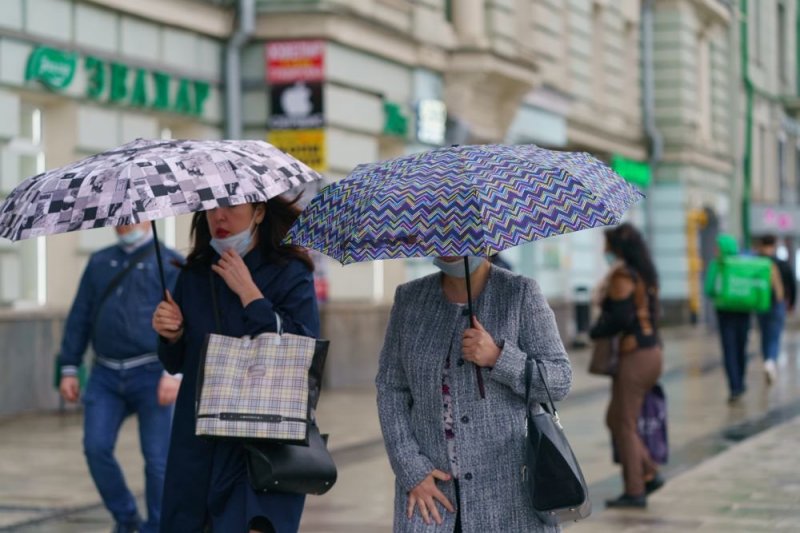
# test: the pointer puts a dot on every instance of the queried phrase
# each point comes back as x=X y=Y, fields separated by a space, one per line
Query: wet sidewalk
x=752 y=487
x=45 y=486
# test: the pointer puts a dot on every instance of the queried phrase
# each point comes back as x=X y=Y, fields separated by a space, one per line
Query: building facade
x=696 y=110
x=76 y=78
x=559 y=74
x=770 y=74
x=82 y=77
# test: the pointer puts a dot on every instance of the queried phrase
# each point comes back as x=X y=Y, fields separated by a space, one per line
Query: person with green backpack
x=739 y=285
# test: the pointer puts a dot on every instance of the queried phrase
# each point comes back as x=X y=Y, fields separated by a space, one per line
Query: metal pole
x=648 y=104
x=233 y=68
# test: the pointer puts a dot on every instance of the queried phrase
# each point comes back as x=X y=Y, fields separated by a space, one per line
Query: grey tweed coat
x=490 y=432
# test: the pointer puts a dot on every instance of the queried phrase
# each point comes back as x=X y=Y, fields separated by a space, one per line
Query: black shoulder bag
x=556 y=487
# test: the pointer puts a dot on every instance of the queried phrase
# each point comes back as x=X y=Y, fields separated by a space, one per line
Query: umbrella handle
x=158 y=259
x=478 y=372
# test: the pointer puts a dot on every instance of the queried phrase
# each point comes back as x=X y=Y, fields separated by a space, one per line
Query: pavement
x=732 y=468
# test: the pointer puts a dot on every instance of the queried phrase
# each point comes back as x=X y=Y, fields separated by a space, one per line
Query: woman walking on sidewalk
x=455 y=443
x=629 y=312
x=237 y=253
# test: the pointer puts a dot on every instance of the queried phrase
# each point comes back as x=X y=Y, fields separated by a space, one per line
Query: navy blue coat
x=206 y=479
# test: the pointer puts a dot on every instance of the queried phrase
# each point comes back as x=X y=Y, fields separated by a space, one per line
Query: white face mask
x=132 y=237
x=239 y=242
x=456 y=268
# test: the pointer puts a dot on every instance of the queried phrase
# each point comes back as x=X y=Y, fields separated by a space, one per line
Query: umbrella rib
x=478 y=203
x=364 y=199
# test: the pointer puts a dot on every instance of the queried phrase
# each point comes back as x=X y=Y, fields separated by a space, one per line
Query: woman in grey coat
x=456 y=455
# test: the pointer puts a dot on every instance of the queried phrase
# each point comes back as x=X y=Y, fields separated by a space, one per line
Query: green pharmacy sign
x=54 y=68
x=117 y=83
x=636 y=172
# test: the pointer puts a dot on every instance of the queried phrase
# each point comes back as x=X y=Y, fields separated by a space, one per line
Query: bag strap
x=529 y=378
x=144 y=253
x=214 y=303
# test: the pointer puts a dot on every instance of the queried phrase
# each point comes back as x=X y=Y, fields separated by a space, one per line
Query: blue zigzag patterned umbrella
x=461 y=201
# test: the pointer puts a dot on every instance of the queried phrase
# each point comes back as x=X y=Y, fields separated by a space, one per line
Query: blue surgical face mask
x=610 y=258
x=132 y=237
x=456 y=268
x=239 y=242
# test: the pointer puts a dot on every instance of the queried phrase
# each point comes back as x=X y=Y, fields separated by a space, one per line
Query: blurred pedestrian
x=629 y=311
x=773 y=321
x=237 y=254
x=455 y=443
x=734 y=283
x=118 y=292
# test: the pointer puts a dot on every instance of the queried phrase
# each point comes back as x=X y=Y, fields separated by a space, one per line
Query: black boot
x=654 y=484
x=628 y=501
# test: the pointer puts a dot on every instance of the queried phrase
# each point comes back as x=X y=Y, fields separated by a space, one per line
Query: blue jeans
x=733 y=329
x=111 y=396
x=771 y=324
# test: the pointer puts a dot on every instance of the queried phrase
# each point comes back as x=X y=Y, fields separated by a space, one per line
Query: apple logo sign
x=296 y=100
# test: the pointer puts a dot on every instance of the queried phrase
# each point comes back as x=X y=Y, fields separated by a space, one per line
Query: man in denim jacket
x=127 y=376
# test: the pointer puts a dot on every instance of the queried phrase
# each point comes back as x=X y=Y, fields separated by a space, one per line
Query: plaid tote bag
x=264 y=387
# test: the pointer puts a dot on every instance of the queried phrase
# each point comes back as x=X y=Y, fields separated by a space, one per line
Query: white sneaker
x=770 y=371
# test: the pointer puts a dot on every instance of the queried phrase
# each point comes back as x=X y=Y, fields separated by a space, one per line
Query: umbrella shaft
x=468 y=279
x=158 y=259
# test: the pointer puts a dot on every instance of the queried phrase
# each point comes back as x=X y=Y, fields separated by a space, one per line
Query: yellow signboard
x=306 y=145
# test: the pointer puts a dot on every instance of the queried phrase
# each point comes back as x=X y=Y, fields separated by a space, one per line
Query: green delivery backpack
x=744 y=283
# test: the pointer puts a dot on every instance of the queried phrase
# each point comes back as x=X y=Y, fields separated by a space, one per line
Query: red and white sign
x=291 y=61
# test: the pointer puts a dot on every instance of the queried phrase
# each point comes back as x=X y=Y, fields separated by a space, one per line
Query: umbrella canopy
x=461 y=201
x=146 y=180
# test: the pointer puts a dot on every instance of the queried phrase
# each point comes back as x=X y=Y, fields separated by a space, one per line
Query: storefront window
x=23 y=264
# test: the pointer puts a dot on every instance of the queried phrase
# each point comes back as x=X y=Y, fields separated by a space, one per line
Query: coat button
x=460 y=362
x=468 y=476
x=465 y=419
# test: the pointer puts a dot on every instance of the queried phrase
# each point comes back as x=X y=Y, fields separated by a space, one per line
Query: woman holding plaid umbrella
x=236 y=253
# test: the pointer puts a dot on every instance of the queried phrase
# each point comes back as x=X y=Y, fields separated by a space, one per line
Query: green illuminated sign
x=636 y=172
x=395 y=122
x=54 y=68
x=117 y=83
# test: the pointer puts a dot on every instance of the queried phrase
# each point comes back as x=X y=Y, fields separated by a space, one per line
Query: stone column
x=469 y=19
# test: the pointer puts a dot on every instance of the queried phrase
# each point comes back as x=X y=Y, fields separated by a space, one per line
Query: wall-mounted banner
x=296 y=106
x=117 y=83
x=306 y=145
x=290 y=61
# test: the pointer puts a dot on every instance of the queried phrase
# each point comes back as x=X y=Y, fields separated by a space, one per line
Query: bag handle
x=548 y=407
x=217 y=320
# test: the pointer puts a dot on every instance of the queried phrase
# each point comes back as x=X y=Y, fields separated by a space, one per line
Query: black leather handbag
x=292 y=468
x=556 y=486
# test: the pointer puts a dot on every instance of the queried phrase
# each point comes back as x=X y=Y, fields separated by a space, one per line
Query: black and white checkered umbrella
x=147 y=180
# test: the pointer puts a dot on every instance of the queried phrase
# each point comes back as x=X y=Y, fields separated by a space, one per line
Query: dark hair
x=768 y=240
x=280 y=214
x=626 y=242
